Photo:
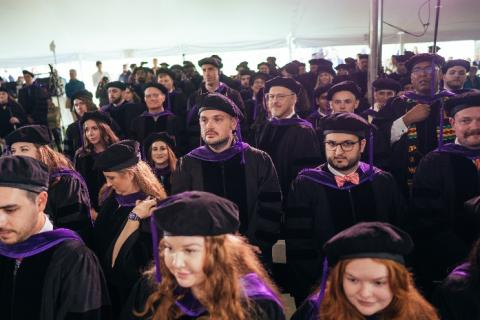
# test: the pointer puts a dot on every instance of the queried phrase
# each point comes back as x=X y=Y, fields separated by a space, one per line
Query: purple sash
x=156 y=114
x=37 y=243
x=460 y=150
x=290 y=122
x=204 y=153
x=411 y=95
x=130 y=199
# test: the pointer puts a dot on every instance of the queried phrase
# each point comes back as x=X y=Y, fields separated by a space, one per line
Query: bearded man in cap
x=334 y=196
x=455 y=74
x=445 y=179
x=12 y=114
x=176 y=98
x=232 y=169
x=33 y=98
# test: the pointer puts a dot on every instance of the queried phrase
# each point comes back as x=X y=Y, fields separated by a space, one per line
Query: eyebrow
x=375 y=279
x=9 y=206
x=184 y=245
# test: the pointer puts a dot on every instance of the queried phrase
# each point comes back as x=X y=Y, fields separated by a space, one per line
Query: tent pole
x=375 y=59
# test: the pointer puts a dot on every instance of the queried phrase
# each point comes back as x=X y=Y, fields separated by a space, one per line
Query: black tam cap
x=33 y=134
x=24 y=72
x=344 y=86
x=456 y=62
x=3 y=89
x=158 y=86
x=96 y=116
x=217 y=101
x=159 y=136
x=323 y=68
x=196 y=213
x=167 y=72
x=421 y=57
x=320 y=62
x=342 y=66
x=288 y=83
x=321 y=90
x=82 y=94
x=262 y=63
x=259 y=75
x=462 y=101
x=346 y=122
x=116 y=84
x=386 y=84
x=362 y=56
x=211 y=60
x=369 y=240
x=121 y=155
x=24 y=173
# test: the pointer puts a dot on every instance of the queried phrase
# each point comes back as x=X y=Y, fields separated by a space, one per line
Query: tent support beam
x=376 y=30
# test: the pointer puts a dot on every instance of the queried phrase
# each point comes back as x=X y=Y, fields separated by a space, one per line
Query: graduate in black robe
x=232 y=169
x=122 y=240
x=447 y=177
x=49 y=273
x=199 y=218
x=332 y=197
x=12 y=115
x=33 y=99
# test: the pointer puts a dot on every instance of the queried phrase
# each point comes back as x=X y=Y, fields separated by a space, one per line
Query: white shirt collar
x=47 y=226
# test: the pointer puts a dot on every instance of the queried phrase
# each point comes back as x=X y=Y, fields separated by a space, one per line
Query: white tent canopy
x=105 y=29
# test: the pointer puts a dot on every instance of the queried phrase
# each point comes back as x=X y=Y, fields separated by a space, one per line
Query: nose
x=109 y=183
x=3 y=220
x=365 y=291
x=178 y=260
x=338 y=150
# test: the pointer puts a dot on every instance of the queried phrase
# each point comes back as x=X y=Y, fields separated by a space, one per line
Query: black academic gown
x=263 y=309
x=123 y=115
x=93 y=177
x=317 y=210
x=443 y=231
x=64 y=282
x=33 y=99
x=7 y=111
x=253 y=186
x=68 y=204
x=134 y=256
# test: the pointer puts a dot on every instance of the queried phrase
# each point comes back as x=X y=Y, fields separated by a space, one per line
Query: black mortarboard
x=288 y=83
x=369 y=240
x=24 y=173
x=85 y=94
x=159 y=136
x=421 y=57
x=33 y=134
x=462 y=101
x=321 y=90
x=116 y=84
x=323 y=68
x=158 y=86
x=456 y=62
x=262 y=63
x=217 y=101
x=167 y=72
x=342 y=66
x=386 y=84
x=346 y=122
x=96 y=116
x=24 y=72
x=211 y=60
x=118 y=156
x=344 y=86
x=196 y=213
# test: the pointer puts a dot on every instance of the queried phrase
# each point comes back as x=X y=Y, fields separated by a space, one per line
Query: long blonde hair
x=52 y=159
x=172 y=158
x=407 y=303
x=227 y=259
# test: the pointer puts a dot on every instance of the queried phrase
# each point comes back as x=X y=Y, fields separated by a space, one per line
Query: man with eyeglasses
x=445 y=179
x=289 y=140
x=334 y=196
x=409 y=123
x=455 y=75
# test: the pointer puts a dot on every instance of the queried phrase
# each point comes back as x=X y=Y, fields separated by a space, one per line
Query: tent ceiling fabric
x=91 y=29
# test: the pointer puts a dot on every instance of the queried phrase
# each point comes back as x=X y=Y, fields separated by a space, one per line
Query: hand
x=418 y=113
x=144 y=208
x=14 y=120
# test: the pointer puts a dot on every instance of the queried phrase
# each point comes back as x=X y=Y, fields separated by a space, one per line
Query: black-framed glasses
x=344 y=145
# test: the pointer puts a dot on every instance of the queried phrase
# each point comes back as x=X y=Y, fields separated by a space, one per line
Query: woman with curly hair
x=97 y=136
x=68 y=204
x=368 y=279
x=122 y=239
x=159 y=152
x=203 y=269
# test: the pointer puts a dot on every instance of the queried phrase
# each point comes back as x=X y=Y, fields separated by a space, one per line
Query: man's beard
x=218 y=144
x=352 y=163
x=454 y=85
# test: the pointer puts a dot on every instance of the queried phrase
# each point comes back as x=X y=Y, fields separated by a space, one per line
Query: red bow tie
x=353 y=178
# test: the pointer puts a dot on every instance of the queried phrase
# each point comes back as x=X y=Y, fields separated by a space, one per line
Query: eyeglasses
x=344 y=145
x=279 y=97
x=427 y=70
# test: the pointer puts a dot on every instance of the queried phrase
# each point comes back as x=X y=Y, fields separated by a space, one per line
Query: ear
x=363 y=143
x=357 y=102
x=41 y=201
x=233 y=123
x=452 y=122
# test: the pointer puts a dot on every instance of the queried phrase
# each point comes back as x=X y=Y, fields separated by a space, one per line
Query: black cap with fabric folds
x=462 y=101
x=196 y=213
x=259 y=75
x=320 y=62
x=344 y=86
x=24 y=173
x=33 y=134
x=288 y=83
x=96 y=116
x=217 y=101
x=421 y=57
x=167 y=72
x=262 y=63
x=386 y=84
x=369 y=240
x=362 y=56
x=85 y=94
x=116 y=84
x=342 y=66
x=158 y=86
x=211 y=60
x=346 y=122
x=321 y=90
x=329 y=69
x=159 y=136
x=118 y=156
x=456 y=62
x=24 y=72
x=3 y=89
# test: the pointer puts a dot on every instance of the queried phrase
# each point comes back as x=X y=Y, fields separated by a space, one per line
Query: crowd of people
x=165 y=201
